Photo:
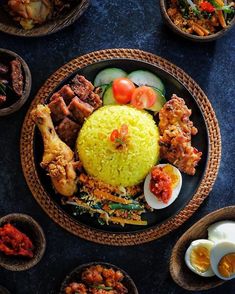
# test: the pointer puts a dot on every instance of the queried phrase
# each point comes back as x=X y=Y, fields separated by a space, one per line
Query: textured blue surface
x=114 y=24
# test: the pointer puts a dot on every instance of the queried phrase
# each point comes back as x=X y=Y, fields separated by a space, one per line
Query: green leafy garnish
x=227 y=9
x=186 y=6
x=102 y=287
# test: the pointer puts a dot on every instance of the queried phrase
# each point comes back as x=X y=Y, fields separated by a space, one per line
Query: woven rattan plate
x=122 y=238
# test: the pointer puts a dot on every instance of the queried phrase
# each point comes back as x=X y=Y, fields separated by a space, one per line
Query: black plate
x=200 y=141
x=75 y=276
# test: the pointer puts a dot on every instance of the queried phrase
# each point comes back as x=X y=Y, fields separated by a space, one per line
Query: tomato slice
x=114 y=135
x=122 y=90
x=143 y=97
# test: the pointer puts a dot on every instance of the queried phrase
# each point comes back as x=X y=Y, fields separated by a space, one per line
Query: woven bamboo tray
x=117 y=238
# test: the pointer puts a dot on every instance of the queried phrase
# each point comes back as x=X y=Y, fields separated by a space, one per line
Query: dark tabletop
x=115 y=24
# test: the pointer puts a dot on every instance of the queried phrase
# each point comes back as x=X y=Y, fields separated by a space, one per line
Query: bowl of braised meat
x=22 y=242
x=98 y=277
x=34 y=18
x=15 y=82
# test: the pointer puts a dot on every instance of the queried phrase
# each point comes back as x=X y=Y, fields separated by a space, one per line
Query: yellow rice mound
x=119 y=167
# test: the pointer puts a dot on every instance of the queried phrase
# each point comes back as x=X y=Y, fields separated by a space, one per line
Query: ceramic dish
x=9 y=26
x=194 y=189
x=163 y=7
x=180 y=273
x=75 y=276
x=6 y=108
x=31 y=228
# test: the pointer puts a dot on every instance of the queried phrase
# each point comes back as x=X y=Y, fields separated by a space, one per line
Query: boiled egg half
x=223 y=260
x=176 y=182
x=197 y=257
x=222 y=231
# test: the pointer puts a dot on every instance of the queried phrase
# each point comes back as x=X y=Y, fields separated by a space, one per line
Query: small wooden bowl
x=31 y=228
x=9 y=26
x=3 y=290
x=180 y=273
x=175 y=29
x=8 y=56
x=75 y=276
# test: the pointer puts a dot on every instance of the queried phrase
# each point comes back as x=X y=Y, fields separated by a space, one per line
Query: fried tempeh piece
x=67 y=93
x=79 y=109
x=68 y=130
x=17 y=77
x=58 y=108
x=84 y=90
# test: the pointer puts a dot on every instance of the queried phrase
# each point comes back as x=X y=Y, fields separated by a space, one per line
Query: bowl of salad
x=199 y=20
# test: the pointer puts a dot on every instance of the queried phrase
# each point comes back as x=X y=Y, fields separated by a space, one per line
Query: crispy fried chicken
x=58 y=158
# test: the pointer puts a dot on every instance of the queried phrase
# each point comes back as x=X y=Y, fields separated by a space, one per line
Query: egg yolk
x=169 y=170
x=200 y=258
x=226 y=265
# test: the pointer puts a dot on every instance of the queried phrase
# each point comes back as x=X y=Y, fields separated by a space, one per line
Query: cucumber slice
x=106 y=76
x=108 y=98
x=146 y=78
x=160 y=101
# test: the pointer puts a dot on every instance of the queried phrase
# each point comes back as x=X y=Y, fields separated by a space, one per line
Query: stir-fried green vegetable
x=132 y=206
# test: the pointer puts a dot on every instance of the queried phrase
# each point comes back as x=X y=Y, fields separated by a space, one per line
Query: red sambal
x=14 y=242
x=161 y=184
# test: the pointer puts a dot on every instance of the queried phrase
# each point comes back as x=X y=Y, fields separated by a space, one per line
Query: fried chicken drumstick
x=58 y=158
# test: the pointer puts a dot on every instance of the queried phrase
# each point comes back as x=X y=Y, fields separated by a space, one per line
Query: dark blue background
x=115 y=24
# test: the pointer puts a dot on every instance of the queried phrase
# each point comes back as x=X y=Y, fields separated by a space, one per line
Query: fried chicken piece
x=58 y=158
x=74 y=288
x=93 y=275
x=176 y=131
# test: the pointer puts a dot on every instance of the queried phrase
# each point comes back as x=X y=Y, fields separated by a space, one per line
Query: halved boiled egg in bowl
x=222 y=231
x=197 y=257
x=222 y=259
x=162 y=186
